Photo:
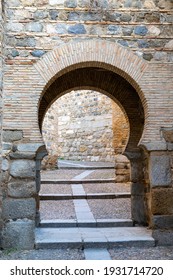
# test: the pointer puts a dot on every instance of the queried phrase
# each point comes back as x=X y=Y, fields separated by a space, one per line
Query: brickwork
x=78 y=125
x=124 y=50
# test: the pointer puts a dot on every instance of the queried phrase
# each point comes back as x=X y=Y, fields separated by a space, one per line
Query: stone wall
x=36 y=27
x=1 y=89
x=96 y=46
x=120 y=128
x=78 y=126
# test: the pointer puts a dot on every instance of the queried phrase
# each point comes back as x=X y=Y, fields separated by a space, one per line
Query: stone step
x=52 y=238
x=86 y=167
x=63 y=164
x=82 y=181
x=57 y=223
x=84 y=196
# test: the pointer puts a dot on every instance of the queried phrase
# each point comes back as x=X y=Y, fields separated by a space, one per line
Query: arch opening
x=84 y=132
x=125 y=95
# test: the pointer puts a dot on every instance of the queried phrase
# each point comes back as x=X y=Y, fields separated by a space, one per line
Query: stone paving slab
x=107 y=237
x=65 y=164
x=57 y=223
x=96 y=254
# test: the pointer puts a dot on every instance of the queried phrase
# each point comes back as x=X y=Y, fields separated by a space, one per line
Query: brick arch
x=110 y=69
x=104 y=81
x=104 y=54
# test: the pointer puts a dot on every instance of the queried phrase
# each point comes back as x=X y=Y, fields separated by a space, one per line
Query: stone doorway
x=88 y=116
x=110 y=69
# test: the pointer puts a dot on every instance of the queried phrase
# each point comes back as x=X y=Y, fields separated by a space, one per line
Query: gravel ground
x=110 y=208
x=101 y=174
x=133 y=253
x=62 y=209
x=46 y=254
x=106 y=188
x=128 y=253
x=59 y=174
x=55 y=189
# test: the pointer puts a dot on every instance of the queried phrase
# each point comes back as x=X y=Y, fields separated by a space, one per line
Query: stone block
x=19 y=208
x=19 y=235
x=162 y=201
x=162 y=221
x=77 y=29
x=125 y=17
x=22 y=155
x=14 y=27
x=70 y=3
x=163 y=237
x=34 y=27
x=61 y=28
x=12 y=135
x=21 y=189
x=160 y=170
x=38 y=53
x=26 y=42
x=22 y=169
x=127 y=31
x=114 y=30
x=53 y=14
x=28 y=147
x=140 y=30
x=5 y=165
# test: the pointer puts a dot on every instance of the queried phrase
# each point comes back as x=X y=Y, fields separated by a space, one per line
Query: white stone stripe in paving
x=83 y=175
x=77 y=189
x=82 y=209
x=96 y=254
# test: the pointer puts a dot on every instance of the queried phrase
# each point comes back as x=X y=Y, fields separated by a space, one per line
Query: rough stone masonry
x=123 y=49
x=80 y=129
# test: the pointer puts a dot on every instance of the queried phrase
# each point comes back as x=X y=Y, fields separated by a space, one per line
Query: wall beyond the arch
x=86 y=126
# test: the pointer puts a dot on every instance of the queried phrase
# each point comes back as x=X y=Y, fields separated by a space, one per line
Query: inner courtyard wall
x=86 y=126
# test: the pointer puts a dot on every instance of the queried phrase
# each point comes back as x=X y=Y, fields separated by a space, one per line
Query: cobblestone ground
x=100 y=209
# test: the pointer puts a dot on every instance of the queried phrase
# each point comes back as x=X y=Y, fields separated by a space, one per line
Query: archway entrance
x=90 y=76
x=116 y=72
x=80 y=128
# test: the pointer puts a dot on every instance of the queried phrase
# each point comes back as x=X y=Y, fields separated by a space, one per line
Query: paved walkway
x=128 y=251
x=95 y=236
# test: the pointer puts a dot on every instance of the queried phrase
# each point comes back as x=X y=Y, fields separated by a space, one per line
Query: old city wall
x=141 y=34
x=1 y=85
x=83 y=126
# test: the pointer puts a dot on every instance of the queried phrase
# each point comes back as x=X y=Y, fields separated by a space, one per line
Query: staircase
x=86 y=232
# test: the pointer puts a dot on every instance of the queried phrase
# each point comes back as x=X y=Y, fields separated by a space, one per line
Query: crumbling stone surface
x=22 y=169
x=19 y=208
x=162 y=201
x=160 y=170
x=19 y=234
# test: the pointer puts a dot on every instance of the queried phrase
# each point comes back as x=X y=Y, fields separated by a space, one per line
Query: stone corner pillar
x=160 y=173
x=19 y=191
x=139 y=187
